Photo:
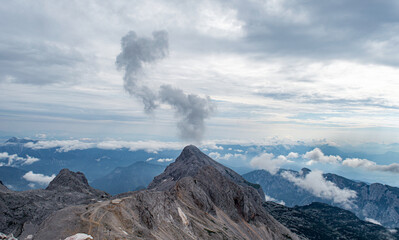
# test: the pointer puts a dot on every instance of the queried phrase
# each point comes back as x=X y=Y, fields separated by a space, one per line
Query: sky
x=215 y=70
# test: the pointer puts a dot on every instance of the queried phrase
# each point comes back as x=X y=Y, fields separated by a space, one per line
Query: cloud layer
x=38 y=178
x=317 y=156
x=15 y=160
x=370 y=165
x=315 y=183
x=269 y=162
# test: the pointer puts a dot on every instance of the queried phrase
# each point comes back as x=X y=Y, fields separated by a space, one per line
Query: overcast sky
x=275 y=68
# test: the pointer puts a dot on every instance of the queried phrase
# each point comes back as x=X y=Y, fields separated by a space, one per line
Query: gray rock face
x=3 y=188
x=193 y=199
x=376 y=201
x=190 y=161
x=322 y=221
x=24 y=211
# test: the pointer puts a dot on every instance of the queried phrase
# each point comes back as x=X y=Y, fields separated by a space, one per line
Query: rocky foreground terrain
x=23 y=212
x=194 y=198
x=324 y=222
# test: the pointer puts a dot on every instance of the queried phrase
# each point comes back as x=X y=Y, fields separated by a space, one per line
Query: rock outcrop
x=3 y=188
x=195 y=198
x=23 y=212
x=322 y=221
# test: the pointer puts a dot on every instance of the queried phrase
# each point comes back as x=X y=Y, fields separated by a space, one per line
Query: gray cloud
x=38 y=63
x=316 y=98
x=319 y=29
x=191 y=109
x=370 y=165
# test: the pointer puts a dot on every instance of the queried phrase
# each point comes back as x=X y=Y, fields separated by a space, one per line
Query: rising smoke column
x=190 y=109
x=136 y=52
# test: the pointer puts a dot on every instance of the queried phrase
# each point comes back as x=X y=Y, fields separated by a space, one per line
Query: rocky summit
x=195 y=198
x=23 y=212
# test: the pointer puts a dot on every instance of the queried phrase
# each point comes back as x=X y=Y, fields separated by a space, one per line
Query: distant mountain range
x=94 y=162
x=131 y=178
x=194 y=198
x=373 y=201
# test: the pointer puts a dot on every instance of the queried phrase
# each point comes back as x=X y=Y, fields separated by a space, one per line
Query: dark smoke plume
x=136 y=52
x=190 y=109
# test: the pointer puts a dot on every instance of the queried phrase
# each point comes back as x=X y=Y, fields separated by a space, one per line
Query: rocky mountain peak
x=305 y=171
x=188 y=164
x=68 y=180
x=3 y=188
x=15 y=140
x=189 y=152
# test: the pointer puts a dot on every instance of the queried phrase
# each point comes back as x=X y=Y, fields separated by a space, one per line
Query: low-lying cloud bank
x=227 y=156
x=15 y=160
x=149 y=146
x=38 y=178
x=370 y=165
x=271 y=199
x=316 y=155
x=315 y=183
x=270 y=163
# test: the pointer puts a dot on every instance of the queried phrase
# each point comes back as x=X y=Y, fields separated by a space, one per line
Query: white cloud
x=370 y=165
x=70 y=145
x=292 y=155
x=271 y=199
x=15 y=160
x=38 y=178
x=165 y=160
x=315 y=183
x=316 y=155
x=227 y=156
x=149 y=159
x=373 y=221
x=62 y=145
x=269 y=162
x=41 y=135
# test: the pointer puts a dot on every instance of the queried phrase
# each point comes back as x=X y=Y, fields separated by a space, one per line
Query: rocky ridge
x=195 y=198
x=322 y=221
x=24 y=211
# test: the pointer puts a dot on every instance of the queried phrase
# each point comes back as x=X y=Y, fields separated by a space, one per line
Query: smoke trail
x=137 y=51
x=190 y=109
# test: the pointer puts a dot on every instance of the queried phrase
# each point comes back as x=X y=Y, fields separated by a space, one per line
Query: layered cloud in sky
x=270 y=162
x=12 y=160
x=317 y=156
x=38 y=178
x=370 y=165
x=274 y=68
